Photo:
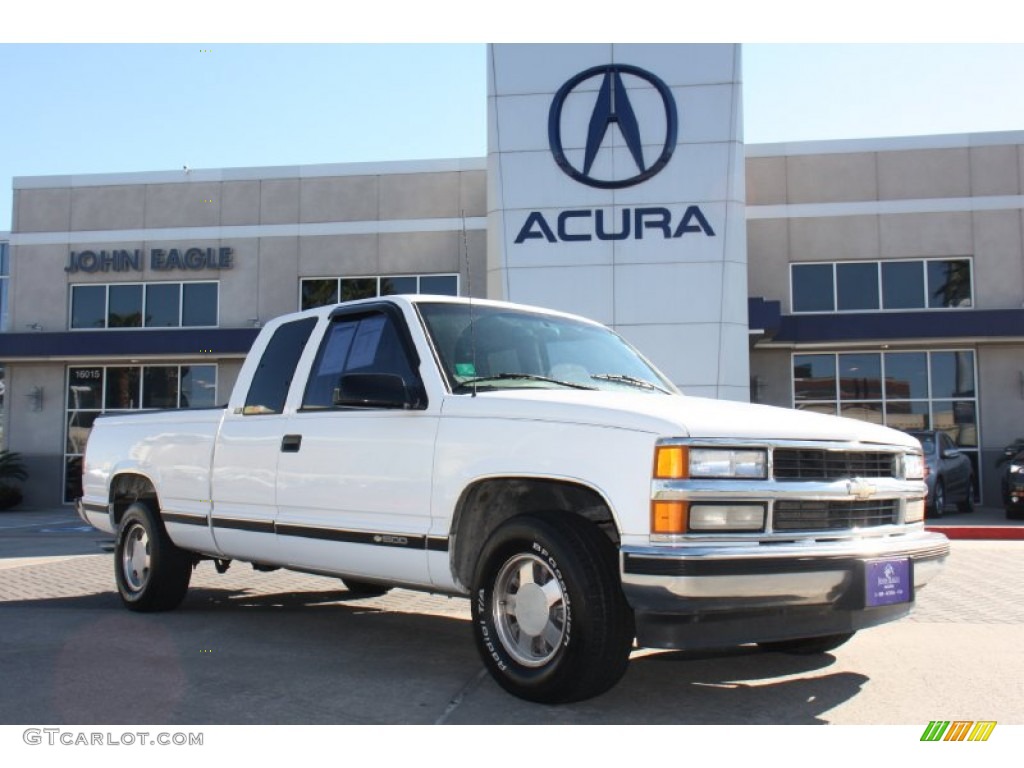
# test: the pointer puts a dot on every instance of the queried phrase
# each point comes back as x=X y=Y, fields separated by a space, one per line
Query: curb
x=976 y=532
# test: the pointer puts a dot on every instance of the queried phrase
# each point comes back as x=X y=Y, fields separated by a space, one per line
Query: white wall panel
x=585 y=291
x=675 y=294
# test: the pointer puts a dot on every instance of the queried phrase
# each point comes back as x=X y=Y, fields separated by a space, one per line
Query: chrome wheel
x=529 y=610
x=135 y=558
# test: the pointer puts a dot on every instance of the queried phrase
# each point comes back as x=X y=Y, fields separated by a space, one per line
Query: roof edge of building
x=885 y=144
x=194 y=175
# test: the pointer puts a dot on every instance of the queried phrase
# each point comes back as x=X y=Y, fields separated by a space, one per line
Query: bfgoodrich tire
x=152 y=574
x=550 y=620
x=807 y=646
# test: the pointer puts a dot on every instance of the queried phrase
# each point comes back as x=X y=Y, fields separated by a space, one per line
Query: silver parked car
x=950 y=474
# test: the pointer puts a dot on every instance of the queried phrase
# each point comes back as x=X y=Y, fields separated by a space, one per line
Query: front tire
x=152 y=573
x=550 y=620
x=808 y=646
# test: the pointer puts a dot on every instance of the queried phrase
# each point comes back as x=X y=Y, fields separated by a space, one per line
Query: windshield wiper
x=631 y=380
x=522 y=376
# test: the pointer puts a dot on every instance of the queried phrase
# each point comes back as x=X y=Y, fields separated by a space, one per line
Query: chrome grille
x=814 y=464
x=833 y=515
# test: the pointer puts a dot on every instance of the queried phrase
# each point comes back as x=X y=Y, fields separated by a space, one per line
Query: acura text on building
x=588 y=224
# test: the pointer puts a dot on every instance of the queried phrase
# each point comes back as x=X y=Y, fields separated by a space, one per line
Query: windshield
x=507 y=348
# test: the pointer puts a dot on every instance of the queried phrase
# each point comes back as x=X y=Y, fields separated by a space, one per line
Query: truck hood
x=670 y=416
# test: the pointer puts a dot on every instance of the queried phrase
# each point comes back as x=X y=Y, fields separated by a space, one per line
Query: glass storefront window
x=857 y=286
x=198 y=386
x=358 y=288
x=908 y=415
x=957 y=418
x=903 y=285
x=198 y=304
x=812 y=288
x=321 y=291
x=949 y=283
x=860 y=377
x=88 y=306
x=93 y=390
x=152 y=305
x=393 y=286
x=439 y=285
x=922 y=390
x=952 y=374
x=814 y=377
x=853 y=286
x=160 y=386
x=906 y=375
x=871 y=412
x=122 y=389
x=318 y=293
x=124 y=306
x=163 y=305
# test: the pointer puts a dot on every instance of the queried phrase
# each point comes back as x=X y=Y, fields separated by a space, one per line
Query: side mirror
x=373 y=390
x=950 y=453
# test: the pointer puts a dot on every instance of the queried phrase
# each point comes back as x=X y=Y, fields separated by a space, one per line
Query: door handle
x=291 y=443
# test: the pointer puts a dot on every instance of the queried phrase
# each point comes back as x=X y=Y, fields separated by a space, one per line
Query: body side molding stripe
x=184 y=519
x=405 y=541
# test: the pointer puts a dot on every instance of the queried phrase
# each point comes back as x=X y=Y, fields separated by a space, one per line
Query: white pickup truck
x=529 y=460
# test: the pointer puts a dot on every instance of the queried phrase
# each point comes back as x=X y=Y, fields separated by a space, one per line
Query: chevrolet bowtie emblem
x=861 y=489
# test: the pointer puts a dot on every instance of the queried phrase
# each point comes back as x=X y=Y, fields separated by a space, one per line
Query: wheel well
x=487 y=504
x=126 y=489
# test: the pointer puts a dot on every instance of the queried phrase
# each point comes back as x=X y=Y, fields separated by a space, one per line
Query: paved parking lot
x=279 y=647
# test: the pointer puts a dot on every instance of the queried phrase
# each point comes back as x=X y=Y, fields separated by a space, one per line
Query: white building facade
x=879 y=279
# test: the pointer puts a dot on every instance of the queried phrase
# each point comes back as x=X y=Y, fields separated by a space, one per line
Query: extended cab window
x=273 y=376
x=363 y=362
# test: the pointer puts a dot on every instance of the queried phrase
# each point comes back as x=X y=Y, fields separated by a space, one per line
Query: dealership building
x=880 y=279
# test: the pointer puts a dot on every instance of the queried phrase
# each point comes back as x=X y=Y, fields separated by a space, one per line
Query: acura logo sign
x=613 y=105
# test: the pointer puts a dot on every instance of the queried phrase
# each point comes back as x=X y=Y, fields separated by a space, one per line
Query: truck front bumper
x=706 y=596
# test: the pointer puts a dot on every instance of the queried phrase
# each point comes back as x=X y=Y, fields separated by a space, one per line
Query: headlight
x=679 y=462
x=913 y=466
x=728 y=463
x=1017 y=467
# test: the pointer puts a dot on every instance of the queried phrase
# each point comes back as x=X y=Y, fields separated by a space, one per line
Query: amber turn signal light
x=671 y=462
x=668 y=516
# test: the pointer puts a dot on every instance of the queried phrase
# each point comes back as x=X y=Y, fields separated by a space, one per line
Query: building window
x=908 y=390
x=144 y=305
x=872 y=286
x=97 y=389
x=323 y=291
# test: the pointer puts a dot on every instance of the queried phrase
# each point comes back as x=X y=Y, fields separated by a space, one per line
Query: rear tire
x=550 y=620
x=152 y=574
x=808 y=646
x=365 y=588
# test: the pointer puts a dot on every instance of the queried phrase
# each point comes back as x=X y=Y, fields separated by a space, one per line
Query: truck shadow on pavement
x=233 y=656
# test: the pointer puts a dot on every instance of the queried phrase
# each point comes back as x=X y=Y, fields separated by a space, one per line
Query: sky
x=96 y=106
